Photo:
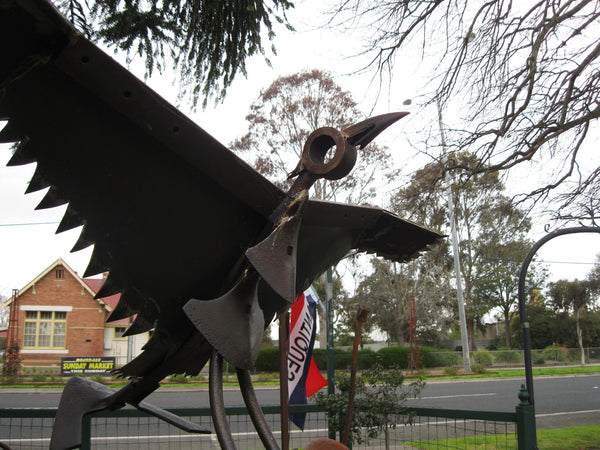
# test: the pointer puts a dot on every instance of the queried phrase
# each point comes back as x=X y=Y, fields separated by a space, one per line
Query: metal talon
x=217 y=406
x=255 y=411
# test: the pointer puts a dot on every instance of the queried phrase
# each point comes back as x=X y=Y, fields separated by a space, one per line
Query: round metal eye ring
x=316 y=149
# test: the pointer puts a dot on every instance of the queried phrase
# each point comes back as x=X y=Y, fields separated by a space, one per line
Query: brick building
x=57 y=316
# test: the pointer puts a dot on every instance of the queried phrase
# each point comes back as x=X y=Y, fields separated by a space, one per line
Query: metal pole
x=523 y=306
x=523 y=311
x=459 y=290
x=330 y=352
x=284 y=343
x=454 y=236
x=130 y=344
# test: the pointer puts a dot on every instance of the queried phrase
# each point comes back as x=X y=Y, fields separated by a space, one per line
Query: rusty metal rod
x=361 y=317
x=217 y=406
x=284 y=342
x=255 y=411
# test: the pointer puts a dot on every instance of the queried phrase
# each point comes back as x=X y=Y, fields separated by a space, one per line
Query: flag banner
x=304 y=378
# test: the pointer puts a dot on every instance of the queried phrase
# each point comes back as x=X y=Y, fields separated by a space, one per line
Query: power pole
x=454 y=239
x=415 y=360
x=459 y=290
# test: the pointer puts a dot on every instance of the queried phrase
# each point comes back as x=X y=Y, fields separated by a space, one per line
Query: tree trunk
x=507 y=328
x=322 y=328
x=471 y=333
x=580 y=336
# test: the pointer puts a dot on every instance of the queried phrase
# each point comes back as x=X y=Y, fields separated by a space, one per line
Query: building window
x=119 y=332
x=45 y=329
x=60 y=273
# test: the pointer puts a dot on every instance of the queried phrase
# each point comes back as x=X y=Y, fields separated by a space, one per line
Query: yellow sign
x=85 y=365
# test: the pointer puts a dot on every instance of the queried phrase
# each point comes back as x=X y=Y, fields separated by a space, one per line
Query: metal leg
x=256 y=414
x=217 y=406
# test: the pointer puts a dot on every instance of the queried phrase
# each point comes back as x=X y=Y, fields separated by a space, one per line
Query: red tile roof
x=95 y=284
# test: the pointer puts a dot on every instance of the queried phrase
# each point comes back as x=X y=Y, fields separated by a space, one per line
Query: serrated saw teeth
x=52 y=199
x=70 y=220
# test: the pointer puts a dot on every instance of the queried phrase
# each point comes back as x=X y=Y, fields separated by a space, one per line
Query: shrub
x=483 y=358
x=11 y=366
x=378 y=402
x=343 y=360
x=537 y=357
x=265 y=377
x=393 y=357
x=179 y=378
x=38 y=378
x=574 y=355
x=268 y=360
x=98 y=379
x=366 y=359
x=432 y=357
x=555 y=353
x=11 y=379
x=450 y=370
x=320 y=355
x=506 y=355
x=478 y=368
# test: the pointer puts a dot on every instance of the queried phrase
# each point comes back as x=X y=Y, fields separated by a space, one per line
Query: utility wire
x=26 y=224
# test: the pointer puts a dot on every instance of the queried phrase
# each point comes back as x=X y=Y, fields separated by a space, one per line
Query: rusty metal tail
x=82 y=396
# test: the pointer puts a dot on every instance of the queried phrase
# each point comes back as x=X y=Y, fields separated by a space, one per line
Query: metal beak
x=360 y=134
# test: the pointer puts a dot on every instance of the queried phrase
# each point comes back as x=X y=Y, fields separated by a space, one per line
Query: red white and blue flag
x=304 y=378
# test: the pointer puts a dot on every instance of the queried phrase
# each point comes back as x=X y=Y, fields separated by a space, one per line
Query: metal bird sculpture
x=202 y=248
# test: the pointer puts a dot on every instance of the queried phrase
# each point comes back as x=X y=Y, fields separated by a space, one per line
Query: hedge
x=268 y=358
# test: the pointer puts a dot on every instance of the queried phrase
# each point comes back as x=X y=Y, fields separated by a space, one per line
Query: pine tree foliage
x=207 y=41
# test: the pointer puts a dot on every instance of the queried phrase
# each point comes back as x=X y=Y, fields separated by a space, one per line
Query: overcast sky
x=27 y=238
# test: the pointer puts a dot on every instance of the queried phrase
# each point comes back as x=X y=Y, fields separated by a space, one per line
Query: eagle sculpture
x=203 y=250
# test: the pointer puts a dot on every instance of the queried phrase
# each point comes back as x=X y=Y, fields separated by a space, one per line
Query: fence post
x=526 y=432
x=86 y=433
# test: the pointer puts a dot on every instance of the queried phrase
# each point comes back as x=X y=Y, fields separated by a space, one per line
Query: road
x=553 y=395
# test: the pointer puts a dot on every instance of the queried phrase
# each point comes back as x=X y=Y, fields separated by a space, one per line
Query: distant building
x=57 y=316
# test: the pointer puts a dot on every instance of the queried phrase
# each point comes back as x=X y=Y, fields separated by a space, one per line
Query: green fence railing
x=132 y=429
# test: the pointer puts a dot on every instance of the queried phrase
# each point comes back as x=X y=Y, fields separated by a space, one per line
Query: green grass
x=500 y=373
x=572 y=438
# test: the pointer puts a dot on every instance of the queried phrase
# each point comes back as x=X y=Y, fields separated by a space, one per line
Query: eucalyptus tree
x=502 y=245
x=572 y=296
x=279 y=123
x=424 y=199
x=282 y=118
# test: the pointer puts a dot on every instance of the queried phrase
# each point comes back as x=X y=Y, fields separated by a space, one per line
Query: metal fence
x=132 y=429
x=505 y=358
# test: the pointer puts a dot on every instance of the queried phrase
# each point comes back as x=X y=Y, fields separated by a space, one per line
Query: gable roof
x=95 y=284
x=84 y=283
x=110 y=302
